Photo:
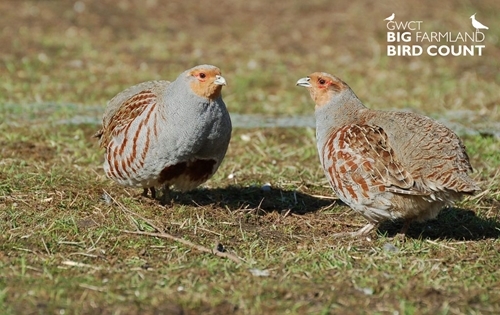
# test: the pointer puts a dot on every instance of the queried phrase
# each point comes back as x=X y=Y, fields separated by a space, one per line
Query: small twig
x=259 y=206
x=287 y=213
x=480 y=195
x=187 y=243
x=24 y=249
x=325 y=197
x=74 y=200
x=94 y=244
x=210 y=231
x=438 y=244
x=79 y=244
x=124 y=209
x=84 y=254
x=162 y=234
x=45 y=245
x=92 y=287
x=79 y=264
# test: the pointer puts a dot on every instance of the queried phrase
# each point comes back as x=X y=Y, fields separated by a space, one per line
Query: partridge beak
x=304 y=82
x=219 y=80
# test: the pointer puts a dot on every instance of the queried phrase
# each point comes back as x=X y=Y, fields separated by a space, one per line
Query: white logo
x=390 y=18
x=409 y=38
x=477 y=25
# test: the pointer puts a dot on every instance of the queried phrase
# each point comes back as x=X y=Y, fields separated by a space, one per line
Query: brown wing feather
x=132 y=108
x=431 y=152
x=361 y=162
x=126 y=106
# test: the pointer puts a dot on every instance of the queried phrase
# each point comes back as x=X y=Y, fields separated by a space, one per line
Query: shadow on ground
x=452 y=223
x=253 y=199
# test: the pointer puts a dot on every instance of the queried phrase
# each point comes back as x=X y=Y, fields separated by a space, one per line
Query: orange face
x=322 y=86
x=207 y=82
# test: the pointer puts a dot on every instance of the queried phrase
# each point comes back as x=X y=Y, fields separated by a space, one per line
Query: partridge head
x=385 y=165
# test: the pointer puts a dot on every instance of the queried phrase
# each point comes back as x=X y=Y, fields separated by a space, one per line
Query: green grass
x=63 y=245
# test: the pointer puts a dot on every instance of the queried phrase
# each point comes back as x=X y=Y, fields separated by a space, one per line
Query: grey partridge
x=385 y=165
x=161 y=133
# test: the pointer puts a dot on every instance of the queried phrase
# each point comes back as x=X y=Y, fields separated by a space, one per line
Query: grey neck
x=343 y=109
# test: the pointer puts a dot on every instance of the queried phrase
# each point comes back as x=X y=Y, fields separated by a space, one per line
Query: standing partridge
x=161 y=133
x=385 y=165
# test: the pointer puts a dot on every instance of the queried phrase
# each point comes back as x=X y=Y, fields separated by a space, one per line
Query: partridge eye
x=202 y=75
x=322 y=81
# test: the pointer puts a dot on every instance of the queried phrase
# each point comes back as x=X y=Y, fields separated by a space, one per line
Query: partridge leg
x=153 y=192
x=165 y=198
x=405 y=227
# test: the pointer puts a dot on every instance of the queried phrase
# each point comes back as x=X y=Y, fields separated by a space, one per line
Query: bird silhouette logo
x=390 y=18
x=477 y=25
